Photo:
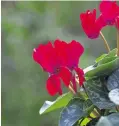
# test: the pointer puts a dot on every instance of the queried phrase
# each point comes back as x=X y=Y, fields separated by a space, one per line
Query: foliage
x=96 y=88
x=24 y=25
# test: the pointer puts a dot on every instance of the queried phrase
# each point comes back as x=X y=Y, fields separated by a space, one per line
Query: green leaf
x=114 y=96
x=110 y=120
x=113 y=80
x=113 y=86
x=58 y=103
x=72 y=112
x=106 y=60
x=100 y=58
x=112 y=53
x=87 y=69
x=97 y=93
x=103 y=70
x=87 y=104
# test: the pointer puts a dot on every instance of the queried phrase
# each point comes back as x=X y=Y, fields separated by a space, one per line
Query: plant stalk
x=117 y=108
x=71 y=89
x=105 y=42
x=117 y=43
x=106 y=112
x=95 y=113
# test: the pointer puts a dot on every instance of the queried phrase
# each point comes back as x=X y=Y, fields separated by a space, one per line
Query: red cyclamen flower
x=48 y=57
x=90 y=24
x=59 y=61
x=109 y=10
x=72 y=52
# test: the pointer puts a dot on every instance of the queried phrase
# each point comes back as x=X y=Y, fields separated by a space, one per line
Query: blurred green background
x=24 y=26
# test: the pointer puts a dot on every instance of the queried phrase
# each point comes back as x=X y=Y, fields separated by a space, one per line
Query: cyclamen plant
x=93 y=97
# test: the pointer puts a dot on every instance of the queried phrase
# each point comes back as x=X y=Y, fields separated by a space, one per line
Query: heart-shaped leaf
x=100 y=58
x=110 y=120
x=114 y=96
x=113 y=80
x=58 y=103
x=87 y=104
x=112 y=53
x=103 y=70
x=106 y=60
x=97 y=93
x=72 y=112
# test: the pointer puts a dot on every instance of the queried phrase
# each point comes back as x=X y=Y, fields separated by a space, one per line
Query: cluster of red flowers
x=60 y=60
x=109 y=15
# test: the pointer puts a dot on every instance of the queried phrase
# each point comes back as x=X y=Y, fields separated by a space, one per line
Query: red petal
x=76 y=48
x=61 y=50
x=74 y=53
x=81 y=80
x=80 y=73
x=101 y=22
x=65 y=74
x=88 y=22
x=45 y=56
x=53 y=85
x=109 y=10
x=68 y=54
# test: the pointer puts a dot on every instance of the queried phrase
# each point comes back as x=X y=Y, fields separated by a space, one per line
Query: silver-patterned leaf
x=98 y=94
x=114 y=96
x=110 y=120
x=87 y=104
x=113 y=80
x=72 y=112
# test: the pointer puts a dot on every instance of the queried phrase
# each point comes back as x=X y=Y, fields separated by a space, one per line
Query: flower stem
x=89 y=117
x=71 y=89
x=117 y=43
x=117 y=108
x=96 y=113
x=93 y=111
x=106 y=112
x=77 y=81
x=105 y=42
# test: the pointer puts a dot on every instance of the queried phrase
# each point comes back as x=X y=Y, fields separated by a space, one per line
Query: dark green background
x=24 y=26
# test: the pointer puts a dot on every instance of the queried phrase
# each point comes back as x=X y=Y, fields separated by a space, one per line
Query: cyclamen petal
x=65 y=75
x=109 y=10
x=74 y=53
x=61 y=47
x=44 y=56
x=54 y=85
x=90 y=24
x=101 y=22
x=80 y=74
